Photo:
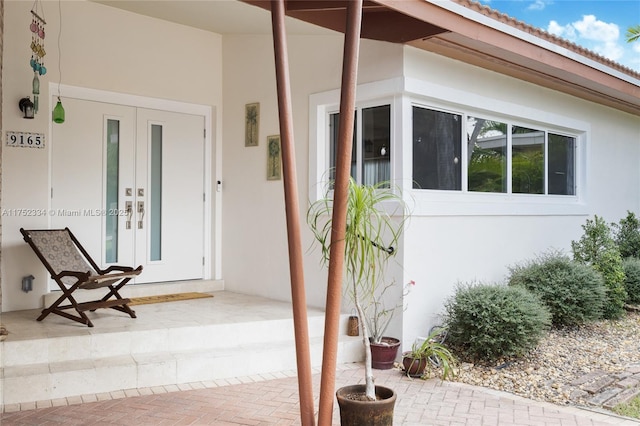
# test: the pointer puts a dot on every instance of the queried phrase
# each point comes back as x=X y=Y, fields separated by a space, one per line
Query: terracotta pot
x=355 y=410
x=413 y=367
x=384 y=354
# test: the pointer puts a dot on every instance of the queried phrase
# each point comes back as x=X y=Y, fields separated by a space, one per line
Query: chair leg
x=55 y=308
x=114 y=292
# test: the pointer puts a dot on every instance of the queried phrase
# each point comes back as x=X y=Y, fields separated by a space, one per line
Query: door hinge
x=202 y=260
x=51 y=192
x=204 y=132
x=204 y=197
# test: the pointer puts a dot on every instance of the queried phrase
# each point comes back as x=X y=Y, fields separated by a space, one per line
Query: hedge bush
x=597 y=248
x=487 y=322
x=631 y=267
x=573 y=292
x=626 y=234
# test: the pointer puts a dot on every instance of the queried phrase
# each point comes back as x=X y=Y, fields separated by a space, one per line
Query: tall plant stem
x=370 y=389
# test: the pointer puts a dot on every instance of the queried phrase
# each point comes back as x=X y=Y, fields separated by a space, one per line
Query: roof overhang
x=450 y=29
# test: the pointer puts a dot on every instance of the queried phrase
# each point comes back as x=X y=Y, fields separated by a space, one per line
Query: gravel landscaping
x=555 y=370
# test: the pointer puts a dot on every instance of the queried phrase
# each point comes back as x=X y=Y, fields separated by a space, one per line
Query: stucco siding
x=101 y=48
x=471 y=242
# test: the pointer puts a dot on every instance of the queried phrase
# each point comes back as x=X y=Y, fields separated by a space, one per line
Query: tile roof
x=544 y=35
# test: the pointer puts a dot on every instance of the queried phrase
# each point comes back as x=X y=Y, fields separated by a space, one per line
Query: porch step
x=48 y=368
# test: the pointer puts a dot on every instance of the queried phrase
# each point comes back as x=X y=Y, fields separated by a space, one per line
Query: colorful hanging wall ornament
x=37 y=49
x=37 y=38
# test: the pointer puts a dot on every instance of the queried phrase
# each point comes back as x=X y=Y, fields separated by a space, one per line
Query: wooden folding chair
x=72 y=268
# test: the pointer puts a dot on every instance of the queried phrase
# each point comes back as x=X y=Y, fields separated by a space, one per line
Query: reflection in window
x=528 y=160
x=561 y=172
x=437 y=139
x=371 y=161
x=487 y=154
x=334 y=124
x=376 y=139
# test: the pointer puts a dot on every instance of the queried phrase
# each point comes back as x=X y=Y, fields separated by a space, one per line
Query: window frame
x=403 y=94
x=359 y=151
x=322 y=105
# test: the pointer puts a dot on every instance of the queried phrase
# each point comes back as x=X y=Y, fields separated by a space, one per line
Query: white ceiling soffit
x=218 y=16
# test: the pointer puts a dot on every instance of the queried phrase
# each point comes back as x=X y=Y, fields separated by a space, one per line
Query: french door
x=129 y=182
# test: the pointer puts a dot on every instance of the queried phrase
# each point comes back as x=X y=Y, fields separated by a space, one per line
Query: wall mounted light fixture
x=27 y=107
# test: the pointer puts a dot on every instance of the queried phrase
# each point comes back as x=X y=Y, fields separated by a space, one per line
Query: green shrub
x=631 y=266
x=627 y=236
x=487 y=322
x=597 y=248
x=573 y=292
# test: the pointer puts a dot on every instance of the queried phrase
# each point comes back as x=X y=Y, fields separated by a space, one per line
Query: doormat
x=167 y=298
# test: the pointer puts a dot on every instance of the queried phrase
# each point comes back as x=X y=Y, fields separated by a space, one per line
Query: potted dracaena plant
x=375 y=221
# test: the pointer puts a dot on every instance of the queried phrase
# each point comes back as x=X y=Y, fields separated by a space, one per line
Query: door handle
x=141 y=213
x=129 y=209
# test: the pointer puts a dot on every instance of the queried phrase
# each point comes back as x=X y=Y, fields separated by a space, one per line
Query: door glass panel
x=111 y=202
x=155 y=194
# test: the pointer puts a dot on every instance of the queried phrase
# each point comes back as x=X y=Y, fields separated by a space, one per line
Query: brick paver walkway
x=269 y=400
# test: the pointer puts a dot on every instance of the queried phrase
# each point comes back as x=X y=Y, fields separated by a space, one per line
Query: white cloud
x=538 y=5
x=598 y=36
x=564 y=31
x=591 y=28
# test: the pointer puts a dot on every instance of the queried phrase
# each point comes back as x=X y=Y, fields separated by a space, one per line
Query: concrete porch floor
x=168 y=344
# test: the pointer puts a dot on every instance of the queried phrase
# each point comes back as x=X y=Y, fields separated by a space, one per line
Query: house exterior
x=165 y=105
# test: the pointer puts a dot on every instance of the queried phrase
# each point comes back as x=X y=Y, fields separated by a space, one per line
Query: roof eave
x=469 y=32
x=493 y=45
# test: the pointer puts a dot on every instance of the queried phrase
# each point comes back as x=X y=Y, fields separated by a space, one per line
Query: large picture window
x=500 y=157
x=371 y=152
x=453 y=153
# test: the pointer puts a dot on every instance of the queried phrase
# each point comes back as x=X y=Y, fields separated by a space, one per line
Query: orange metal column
x=340 y=194
x=296 y=270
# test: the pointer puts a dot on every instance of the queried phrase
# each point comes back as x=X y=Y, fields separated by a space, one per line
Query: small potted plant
x=427 y=355
x=384 y=349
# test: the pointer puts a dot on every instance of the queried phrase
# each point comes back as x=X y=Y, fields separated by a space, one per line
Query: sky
x=598 y=25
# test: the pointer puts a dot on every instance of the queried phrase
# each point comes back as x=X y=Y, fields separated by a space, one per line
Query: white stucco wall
x=255 y=256
x=101 y=48
x=447 y=244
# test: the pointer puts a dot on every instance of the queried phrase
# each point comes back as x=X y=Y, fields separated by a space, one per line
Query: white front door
x=129 y=182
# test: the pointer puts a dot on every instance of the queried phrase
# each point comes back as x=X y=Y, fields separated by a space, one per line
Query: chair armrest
x=117 y=275
x=119 y=268
x=104 y=280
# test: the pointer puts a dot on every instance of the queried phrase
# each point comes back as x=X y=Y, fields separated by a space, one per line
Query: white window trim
x=387 y=92
x=403 y=94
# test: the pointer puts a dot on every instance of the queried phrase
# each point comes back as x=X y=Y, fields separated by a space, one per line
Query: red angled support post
x=296 y=270
x=340 y=195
